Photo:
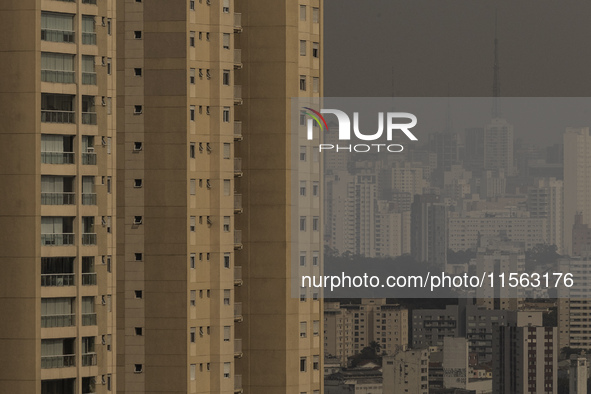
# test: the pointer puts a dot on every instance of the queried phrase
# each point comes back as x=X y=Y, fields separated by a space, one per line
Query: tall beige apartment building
x=205 y=303
x=57 y=165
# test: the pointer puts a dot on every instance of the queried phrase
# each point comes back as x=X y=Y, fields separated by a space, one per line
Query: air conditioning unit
x=104 y=21
x=209 y=220
x=208 y=147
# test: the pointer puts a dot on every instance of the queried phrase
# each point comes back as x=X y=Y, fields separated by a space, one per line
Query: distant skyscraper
x=577 y=375
x=498 y=146
x=428 y=222
x=474 y=149
x=545 y=201
x=577 y=180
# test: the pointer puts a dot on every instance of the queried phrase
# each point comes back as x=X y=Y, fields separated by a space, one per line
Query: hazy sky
x=440 y=48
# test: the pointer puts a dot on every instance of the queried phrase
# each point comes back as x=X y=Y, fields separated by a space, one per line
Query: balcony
x=89 y=279
x=58 y=116
x=89 y=158
x=89 y=239
x=237 y=383
x=237 y=130
x=89 y=2
x=57 y=280
x=238 y=311
x=237 y=203
x=237 y=22
x=88 y=198
x=58 y=198
x=238 y=275
x=63 y=361
x=88 y=78
x=57 y=157
x=238 y=167
x=237 y=94
x=88 y=117
x=238 y=348
x=89 y=38
x=50 y=321
x=89 y=319
x=237 y=59
x=88 y=359
x=54 y=35
x=237 y=239
x=58 y=76
x=57 y=239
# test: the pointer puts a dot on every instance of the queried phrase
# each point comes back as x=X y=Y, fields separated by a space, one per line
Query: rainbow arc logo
x=317 y=117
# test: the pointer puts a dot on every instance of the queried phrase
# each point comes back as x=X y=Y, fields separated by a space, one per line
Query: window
x=200 y=35
x=138 y=256
x=192 y=5
x=88 y=33
x=200 y=73
x=315 y=223
x=226 y=115
x=192 y=76
x=302 y=223
x=302 y=47
x=303 y=329
x=302 y=259
x=315 y=49
x=225 y=40
x=59 y=68
x=303 y=150
x=226 y=6
x=226 y=297
x=137 y=146
x=226 y=260
x=193 y=297
x=316 y=327
x=192 y=260
x=137 y=34
x=227 y=367
x=303 y=366
x=137 y=220
x=226 y=77
x=139 y=331
x=192 y=224
x=138 y=368
x=137 y=72
x=109 y=25
x=315 y=258
x=302 y=294
x=315 y=84
x=193 y=371
x=315 y=363
x=227 y=187
x=302 y=82
x=207 y=36
x=315 y=188
x=227 y=333
x=139 y=294
x=227 y=150
x=57 y=27
x=137 y=109
x=109 y=66
x=192 y=334
x=192 y=150
x=192 y=187
x=302 y=12
x=137 y=183
x=315 y=15
x=303 y=188
x=208 y=74
x=192 y=39
x=192 y=113
x=226 y=224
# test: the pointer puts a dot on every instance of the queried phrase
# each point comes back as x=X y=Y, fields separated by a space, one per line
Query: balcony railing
x=57 y=239
x=57 y=35
x=89 y=279
x=63 y=361
x=57 y=157
x=237 y=22
x=237 y=239
x=237 y=130
x=57 y=280
x=238 y=348
x=238 y=311
x=89 y=2
x=58 y=76
x=89 y=158
x=237 y=58
x=237 y=203
x=88 y=359
x=58 y=116
x=237 y=275
x=88 y=78
x=237 y=94
x=89 y=38
x=89 y=319
x=58 y=198
x=237 y=383
x=88 y=198
x=88 y=117
x=50 y=321
x=89 y=239
x=238 y=166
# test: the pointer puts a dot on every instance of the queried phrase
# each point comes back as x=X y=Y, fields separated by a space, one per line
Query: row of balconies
x=66 y=239
x=67 y=198
x=67 y=279
x=69 y=320
x=88 y=158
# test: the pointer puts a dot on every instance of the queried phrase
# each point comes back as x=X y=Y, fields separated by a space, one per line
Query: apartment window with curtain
x=302 y=259
x=302 y=82
x=226 y=77
x=315 y=15
x=227 y=367
x=315 y=258
x=303 y=329
x=227 y=150
x=88 y=70
x=316 y=327
x=88 y=30
x=57 y=68
x=226 y=115
x=227 y=333
x=57 y=190
x=57 y=231
x=226 y=6
x=226 y=40
x=88 y=352
x=315 y=84
x=88 y=191
x=227 y=297
x=226 y=224
x=88 y=314
x=58 y=312
x=226 y=260
x=302 y=47
x=302 y=12
x=303 y=188
x=57 y=108
x=57 y=27
x=57 y=149
x=227 y=187
x=88 y=110
x=315 y=49
x=192 y=76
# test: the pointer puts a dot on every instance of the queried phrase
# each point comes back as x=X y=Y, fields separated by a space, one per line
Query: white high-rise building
x=545 y=201
x=498 y=146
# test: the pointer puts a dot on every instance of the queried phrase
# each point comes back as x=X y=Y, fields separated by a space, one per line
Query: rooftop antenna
x=496 y=82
